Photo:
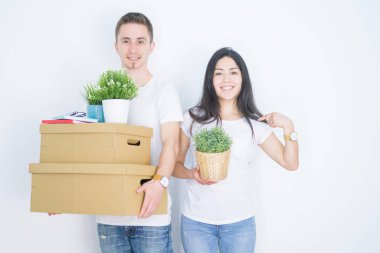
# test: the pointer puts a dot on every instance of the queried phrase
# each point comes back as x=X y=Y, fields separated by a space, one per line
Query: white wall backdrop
x=315 y=61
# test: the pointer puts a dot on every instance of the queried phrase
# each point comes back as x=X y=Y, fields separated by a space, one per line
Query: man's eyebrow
x=128 y=38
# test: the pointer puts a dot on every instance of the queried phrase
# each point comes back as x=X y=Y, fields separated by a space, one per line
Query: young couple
x=216 y=216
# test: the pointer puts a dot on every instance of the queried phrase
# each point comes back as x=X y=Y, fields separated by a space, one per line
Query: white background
x=315 y=61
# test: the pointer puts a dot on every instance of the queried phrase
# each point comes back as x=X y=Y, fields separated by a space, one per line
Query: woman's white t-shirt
x=230 y=200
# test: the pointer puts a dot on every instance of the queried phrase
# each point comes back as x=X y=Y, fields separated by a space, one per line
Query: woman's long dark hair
x=208 y=109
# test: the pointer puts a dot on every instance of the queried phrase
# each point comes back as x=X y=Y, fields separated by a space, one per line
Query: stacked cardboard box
x=92 y=169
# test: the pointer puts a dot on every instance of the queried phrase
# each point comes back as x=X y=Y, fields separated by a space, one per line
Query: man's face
x=133 y=46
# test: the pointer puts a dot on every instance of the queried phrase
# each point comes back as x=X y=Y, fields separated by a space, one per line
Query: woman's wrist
x=288 y=128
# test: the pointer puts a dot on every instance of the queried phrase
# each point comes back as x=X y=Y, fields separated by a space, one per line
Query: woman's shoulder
x=260 y=129
x=195 y=111
x=193 y=117
x=188 y=115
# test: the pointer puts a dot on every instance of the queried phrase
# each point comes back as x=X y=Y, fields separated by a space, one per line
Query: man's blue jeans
x=136 y=239
x=198 y=237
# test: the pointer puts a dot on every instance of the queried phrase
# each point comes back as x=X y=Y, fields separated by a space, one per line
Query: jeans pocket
x=152 y=232
x=109 y=230
x=152 y=239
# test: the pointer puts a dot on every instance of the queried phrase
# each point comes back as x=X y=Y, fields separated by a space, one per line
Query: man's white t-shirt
x=230 y=200
x=157 y=103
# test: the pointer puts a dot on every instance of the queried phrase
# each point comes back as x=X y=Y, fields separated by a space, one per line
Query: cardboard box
x=95 y=143
x=90 y=188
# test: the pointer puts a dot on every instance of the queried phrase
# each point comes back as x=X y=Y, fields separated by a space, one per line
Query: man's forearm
x=167 y=159
x=168 y=156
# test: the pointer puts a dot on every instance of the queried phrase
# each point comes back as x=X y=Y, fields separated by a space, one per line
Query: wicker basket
x=213 y=166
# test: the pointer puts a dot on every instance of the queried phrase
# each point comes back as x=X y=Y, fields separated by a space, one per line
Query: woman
x=219 y=215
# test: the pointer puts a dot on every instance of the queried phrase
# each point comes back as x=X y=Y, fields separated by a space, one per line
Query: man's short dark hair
x=135 y=18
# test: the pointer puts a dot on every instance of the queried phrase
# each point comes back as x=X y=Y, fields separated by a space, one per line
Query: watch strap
x=164 y=181
x=288 y=137
x=157 y=177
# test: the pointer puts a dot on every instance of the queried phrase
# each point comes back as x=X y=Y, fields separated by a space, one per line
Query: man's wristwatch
x=291 y=137
x=164 y=181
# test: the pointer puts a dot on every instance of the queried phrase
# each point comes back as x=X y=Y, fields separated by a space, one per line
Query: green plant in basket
x=212 y=153
x=116 y=84
x=213 y=140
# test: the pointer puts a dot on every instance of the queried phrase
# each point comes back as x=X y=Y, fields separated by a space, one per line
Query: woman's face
x=227 y=79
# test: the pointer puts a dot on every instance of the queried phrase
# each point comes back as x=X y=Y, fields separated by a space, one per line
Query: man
x=157 y=106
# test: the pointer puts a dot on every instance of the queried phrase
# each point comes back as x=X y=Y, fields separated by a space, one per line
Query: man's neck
x=141 y=76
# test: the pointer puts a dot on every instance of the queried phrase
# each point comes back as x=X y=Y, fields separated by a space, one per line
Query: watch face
x=293 y=136
x=164 y=181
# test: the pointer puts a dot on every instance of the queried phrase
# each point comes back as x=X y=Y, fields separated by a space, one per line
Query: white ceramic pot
x=115 y=110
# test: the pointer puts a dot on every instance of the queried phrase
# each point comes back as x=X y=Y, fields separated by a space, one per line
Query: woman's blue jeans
x=136 y=239
x=198 y=237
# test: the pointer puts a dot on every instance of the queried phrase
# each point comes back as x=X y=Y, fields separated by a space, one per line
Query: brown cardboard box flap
x=97 y=128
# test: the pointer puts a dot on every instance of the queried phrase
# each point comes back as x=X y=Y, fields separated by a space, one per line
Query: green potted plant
x=93 y=96
x=213 y=148
x=116 y=91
